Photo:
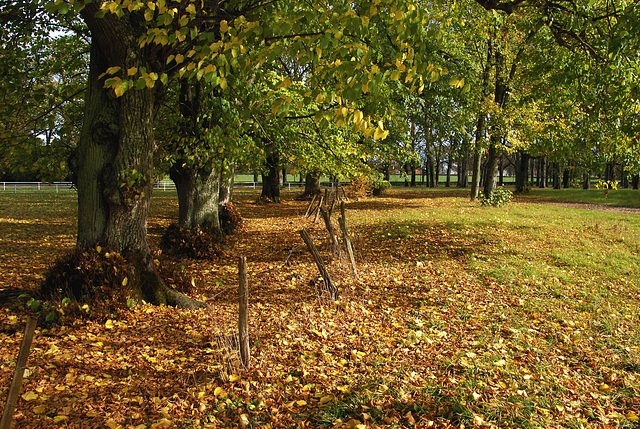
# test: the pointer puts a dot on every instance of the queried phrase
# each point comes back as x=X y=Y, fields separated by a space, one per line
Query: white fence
x=36 y=186
x=68 y=186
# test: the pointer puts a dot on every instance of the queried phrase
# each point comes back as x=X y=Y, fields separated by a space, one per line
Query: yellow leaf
x=118 y=88
x=224 y=26
x=301 y=403
x=125 y=281
x=58 y=419
x=632 y=416
x=112 y=70
x=354 y=424
x=132 y=71
x=234 y=377
x=109 y=324
x=219 y=391
x=326 y=399
x=38 y=409
x=374 y=69
x=604 y=387
x=30 y=396
x=98 y=249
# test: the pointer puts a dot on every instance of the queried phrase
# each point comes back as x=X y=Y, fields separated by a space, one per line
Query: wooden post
x=243 y=320
x=333 y=239
x=347 y=240
x=328 y=283
x=317 y=209
x=16 y=384
x=313 y=200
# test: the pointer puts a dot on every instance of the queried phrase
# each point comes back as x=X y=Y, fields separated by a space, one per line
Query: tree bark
x=312 y=183
x=226 y=186
x=271 y=180
x=198 y=196
x=490 y=178
x=521 y=171
x=115 y=155
x=463 y=175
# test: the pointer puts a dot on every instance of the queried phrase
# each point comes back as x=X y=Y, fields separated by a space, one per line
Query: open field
x=461 y=316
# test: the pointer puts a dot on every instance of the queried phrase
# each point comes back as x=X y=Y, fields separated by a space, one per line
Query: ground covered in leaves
x=461 y=316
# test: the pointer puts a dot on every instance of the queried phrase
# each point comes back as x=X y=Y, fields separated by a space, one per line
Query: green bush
x=498 y=198
x=380 y=186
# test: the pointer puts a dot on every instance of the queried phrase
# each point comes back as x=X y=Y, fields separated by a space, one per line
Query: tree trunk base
x=95 y=282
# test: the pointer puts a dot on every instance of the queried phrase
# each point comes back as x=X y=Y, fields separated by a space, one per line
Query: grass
x=523 y=316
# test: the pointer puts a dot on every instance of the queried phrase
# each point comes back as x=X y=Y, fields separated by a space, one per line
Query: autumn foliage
x=460 y=315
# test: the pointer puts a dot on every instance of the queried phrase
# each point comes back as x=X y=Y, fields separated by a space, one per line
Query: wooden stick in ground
x=16 y=384
x=313 y=200
x=317 y=209
x=243 y=320
x=333 y=239
x=347 y=240
x=328 y=283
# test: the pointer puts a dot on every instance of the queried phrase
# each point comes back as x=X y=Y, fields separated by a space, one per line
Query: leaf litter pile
x=460 y=316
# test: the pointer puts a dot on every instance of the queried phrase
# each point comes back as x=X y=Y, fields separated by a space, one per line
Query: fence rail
x=161 y=184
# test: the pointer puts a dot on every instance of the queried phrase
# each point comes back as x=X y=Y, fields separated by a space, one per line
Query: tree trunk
x=198 y=196
x=490 y=178
x=312 y=183
x=556 y=175
x=463 y=166
x=271 y=180
x=521 y=171
x=586 y=180
x=226 y=186
x=475 y=178
x=115 y=156
x=566 y=178
x=432 y=172
x=635 y=181
x=413 y=174
x=542 y=179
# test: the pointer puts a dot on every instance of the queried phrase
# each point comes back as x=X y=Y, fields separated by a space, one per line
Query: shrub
x=498 y=198
x=380 y=186
x=230 y=219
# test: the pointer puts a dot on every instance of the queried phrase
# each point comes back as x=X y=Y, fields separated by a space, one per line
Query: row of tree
x=198 y=89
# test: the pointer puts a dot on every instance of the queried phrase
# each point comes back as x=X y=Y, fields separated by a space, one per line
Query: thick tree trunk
x=312 y=183
x=115 y=156
x=635 y=181
x=198 y=196
x=586 y=180
x=226 y=186
x=490 y=178
x=271 y=180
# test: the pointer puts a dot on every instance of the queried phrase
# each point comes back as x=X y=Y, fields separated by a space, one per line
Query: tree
x=137 y=47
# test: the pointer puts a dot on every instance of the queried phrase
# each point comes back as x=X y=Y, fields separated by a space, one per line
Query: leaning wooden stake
x=16 y=384
x=333 y=239
x=317 y=209
x=328 y=283
x=345 y=235
x=243 y=320
x=313 y=200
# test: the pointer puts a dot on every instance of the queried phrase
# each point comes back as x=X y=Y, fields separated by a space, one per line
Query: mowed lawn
x=460 y=316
